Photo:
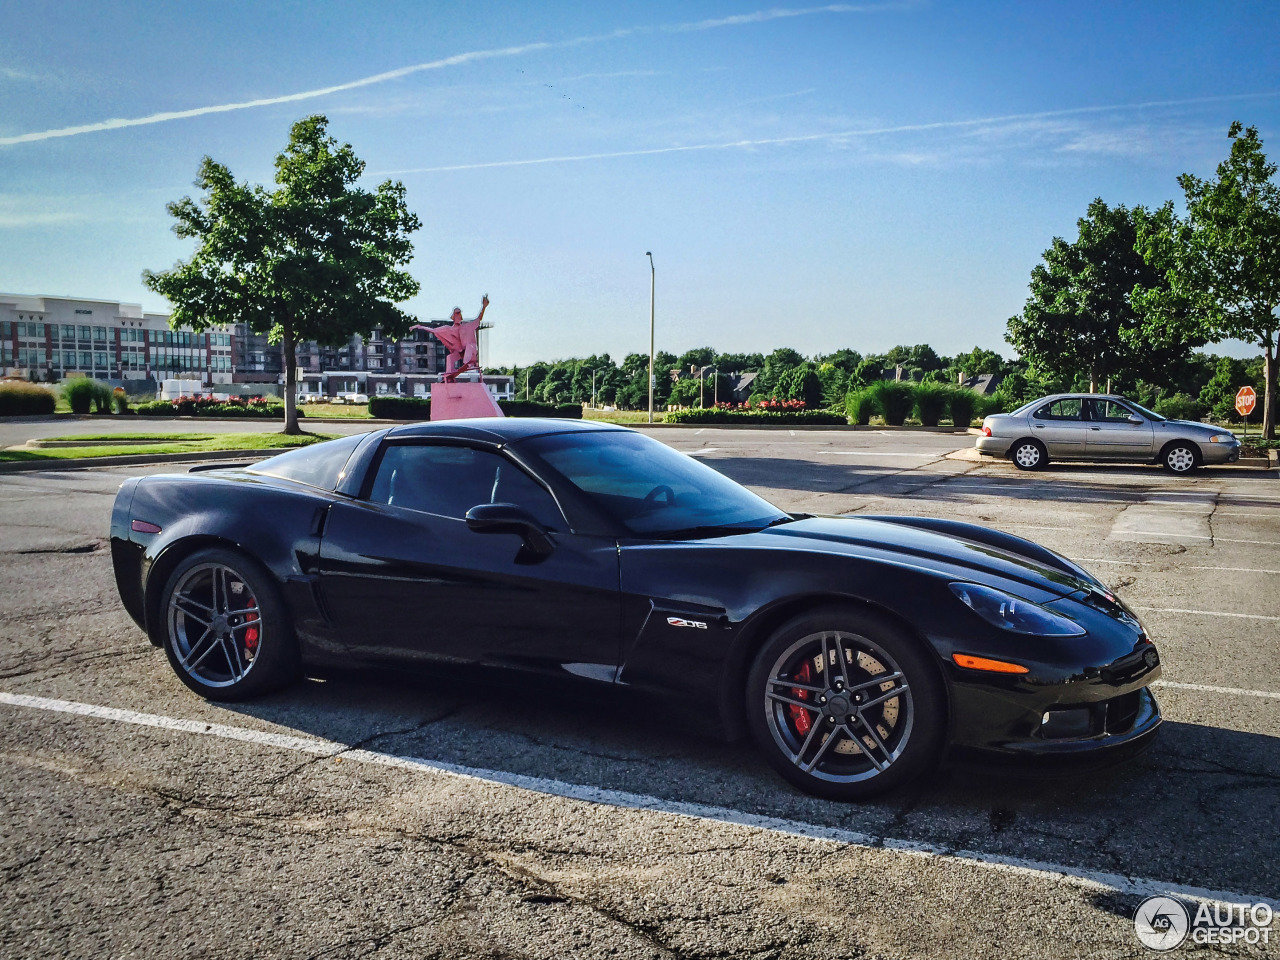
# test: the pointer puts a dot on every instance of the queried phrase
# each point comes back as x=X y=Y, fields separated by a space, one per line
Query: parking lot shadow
x=1199 y=808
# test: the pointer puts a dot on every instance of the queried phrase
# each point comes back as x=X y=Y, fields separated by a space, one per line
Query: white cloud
x=455 y=60
x=1042 y=125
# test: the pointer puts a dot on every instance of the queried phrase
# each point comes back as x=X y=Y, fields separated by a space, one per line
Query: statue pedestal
x=462 y=400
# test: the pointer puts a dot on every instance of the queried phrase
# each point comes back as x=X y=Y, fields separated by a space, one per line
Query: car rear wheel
x=1028 y=455
x=1179 y=458
x=227 y=635
x=845 y=705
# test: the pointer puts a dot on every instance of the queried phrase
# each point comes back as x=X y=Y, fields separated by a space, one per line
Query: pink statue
x=452 y=399
x=461 y=340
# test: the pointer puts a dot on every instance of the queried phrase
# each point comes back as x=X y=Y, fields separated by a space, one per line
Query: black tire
x=899 y=737
x=205 y=646
x=1180 y=457
x=1029 y=455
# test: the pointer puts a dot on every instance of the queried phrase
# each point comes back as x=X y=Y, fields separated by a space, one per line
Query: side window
x=1065 y=409
x=1108 y=411
x=449 y=481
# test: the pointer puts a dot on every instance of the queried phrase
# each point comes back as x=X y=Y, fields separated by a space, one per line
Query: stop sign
x=1246 y=400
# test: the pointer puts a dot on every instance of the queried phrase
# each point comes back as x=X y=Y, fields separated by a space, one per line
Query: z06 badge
x=677 y=622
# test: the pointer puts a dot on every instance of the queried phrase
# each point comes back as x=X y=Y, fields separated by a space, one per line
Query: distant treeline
x=1198 y=385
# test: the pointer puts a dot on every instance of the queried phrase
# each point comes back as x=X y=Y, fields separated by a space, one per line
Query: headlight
x=1221 y=438
x=1013 y=613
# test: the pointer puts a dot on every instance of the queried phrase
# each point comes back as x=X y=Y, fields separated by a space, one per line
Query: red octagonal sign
x=1246 y=400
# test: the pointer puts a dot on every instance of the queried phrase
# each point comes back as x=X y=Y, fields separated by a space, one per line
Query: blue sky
x=852 y=175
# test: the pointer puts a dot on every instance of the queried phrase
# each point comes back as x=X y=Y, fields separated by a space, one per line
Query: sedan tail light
x=986 y=431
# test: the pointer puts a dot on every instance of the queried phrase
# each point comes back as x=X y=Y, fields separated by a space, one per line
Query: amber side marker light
x=991 y=666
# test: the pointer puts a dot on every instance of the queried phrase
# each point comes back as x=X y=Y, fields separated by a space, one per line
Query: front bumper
x=1216 y=453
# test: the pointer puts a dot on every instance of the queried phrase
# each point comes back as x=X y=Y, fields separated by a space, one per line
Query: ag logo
x=1161 y=923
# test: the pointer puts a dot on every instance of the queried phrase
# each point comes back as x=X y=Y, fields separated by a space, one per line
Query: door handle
x=1095 y=428
x=1038 y=426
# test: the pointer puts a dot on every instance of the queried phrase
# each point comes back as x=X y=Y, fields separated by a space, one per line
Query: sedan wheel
x=845 y=706
x=1179 y=458
x=226 y=634
x=1029 y=455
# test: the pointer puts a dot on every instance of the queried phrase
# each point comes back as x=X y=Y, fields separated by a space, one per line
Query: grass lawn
x=168 y=444
x=345 y=411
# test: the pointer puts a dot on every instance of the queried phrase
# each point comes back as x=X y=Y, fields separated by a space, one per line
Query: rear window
x=318 y=465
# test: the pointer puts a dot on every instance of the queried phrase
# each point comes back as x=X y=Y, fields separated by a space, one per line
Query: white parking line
x=1205 y=688
x=1197 y=536
x=1152 y=563
x=1209 y=613
x=1051 y=872
x=874 y=453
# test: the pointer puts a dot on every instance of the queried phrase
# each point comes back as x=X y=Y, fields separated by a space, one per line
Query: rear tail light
x=986 y=431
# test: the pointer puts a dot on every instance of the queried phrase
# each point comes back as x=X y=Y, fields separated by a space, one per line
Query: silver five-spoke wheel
x=838 y=706
x=845 y=703
x=215 y=624
x=226 y=629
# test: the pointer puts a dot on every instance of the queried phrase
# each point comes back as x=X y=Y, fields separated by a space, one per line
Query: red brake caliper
x=799 y=715
x=251 y=633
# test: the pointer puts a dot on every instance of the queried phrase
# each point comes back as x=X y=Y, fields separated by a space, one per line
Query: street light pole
x=652 y=281
x=593 y=389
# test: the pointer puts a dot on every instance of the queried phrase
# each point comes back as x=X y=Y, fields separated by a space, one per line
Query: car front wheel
x=845 y=705
x=226 y=632
x=1028 y=455
x=1179 y=458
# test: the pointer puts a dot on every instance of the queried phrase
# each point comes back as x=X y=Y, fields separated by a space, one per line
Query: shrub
x=1181 y=407
x=399 y=408
x=780 y=417
x=155 y=408
x=992 y=404
x=961 y=404
x=536 y=408
x=25 y=399
x=85 y=392
x=120 y=400
x=860 y=406
x=893 y=399
x=931 y=402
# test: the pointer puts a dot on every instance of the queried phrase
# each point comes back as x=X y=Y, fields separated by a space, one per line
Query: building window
x=99 y=333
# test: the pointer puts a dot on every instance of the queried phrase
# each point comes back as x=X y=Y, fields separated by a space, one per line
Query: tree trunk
x=290 y=380
x=1269 y=388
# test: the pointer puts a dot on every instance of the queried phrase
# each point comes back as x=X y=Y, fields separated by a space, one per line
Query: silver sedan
x=1075 y=426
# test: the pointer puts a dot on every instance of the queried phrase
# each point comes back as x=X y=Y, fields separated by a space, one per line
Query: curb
x=87 y=463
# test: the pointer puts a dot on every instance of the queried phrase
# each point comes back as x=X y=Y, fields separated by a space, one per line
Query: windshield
x=1143 y=410
x=651 y=489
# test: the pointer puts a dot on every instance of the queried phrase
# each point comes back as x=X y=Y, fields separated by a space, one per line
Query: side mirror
x=510 y=518
x=1135 y=420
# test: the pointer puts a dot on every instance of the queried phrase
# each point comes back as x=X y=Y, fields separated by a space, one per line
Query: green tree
x=1079 y=318
x=977 y=362
x=775 y=365
x=867 y=372
x=1223 y=259
x=317 y=258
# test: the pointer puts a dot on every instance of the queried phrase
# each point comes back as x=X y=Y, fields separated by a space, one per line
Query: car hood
x=1195 y=427
x=960 y=554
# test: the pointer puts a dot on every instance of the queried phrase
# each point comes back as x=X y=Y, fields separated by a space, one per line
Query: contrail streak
x=461 y=58
x=840 y=135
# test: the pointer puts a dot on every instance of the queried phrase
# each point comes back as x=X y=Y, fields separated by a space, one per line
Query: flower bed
x=235 y=408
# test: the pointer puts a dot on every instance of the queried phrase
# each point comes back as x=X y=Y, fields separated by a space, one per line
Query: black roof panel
x=498 y=429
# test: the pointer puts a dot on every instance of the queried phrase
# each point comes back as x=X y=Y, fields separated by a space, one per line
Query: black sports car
x=854 y=650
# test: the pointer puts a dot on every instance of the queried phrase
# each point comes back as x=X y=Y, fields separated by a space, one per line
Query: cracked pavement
x=122 y=840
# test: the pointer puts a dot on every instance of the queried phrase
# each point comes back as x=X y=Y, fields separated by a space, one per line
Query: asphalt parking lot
x=462 y=814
